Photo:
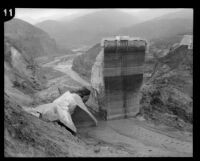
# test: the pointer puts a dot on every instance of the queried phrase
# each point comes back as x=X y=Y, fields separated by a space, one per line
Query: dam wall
x=123 y=75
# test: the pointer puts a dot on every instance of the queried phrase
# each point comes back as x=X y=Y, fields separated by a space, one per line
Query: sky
x=34 y=16
x=37 y=15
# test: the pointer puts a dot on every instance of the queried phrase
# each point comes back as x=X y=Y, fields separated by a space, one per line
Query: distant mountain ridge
x=91 y=28
x=186 y=14
x=164 y=26
x=85 y=29
x=158 y=28
x=34 y=41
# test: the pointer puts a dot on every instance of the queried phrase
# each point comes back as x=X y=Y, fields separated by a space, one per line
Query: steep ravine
x=28 y=84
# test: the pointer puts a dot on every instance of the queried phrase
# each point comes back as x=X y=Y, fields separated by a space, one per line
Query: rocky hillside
x=22 y=76
x=24 y=134
x=28 y=136
x=31 y=39
x=24 y=44
x=82 y=64
x=168 y=97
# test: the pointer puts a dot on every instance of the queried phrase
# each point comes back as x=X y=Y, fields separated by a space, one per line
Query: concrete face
x=113 y=96
x=123 y=75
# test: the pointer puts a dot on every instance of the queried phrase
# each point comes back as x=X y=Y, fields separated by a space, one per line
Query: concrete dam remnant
x=123 y=75
x=61 y=110
x=117 y=76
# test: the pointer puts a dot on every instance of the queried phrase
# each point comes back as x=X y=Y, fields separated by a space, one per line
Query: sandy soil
x=137 y=140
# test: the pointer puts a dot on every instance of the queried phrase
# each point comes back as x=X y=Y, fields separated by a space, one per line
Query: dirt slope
x=28 y=136
x=23 y=77
x=168 y=96
x=82 y=64
x=138 y=139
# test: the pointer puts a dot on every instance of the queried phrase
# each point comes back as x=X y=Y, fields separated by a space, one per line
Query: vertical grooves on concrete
x=123 y=75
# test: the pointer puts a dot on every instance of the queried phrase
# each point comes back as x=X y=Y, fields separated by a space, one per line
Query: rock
x=140 y=118
x=97 y=149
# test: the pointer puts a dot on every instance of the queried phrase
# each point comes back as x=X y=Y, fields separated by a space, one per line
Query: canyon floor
x=134 y=137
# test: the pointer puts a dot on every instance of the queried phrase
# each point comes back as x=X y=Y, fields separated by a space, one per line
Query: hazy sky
x=37 y=15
